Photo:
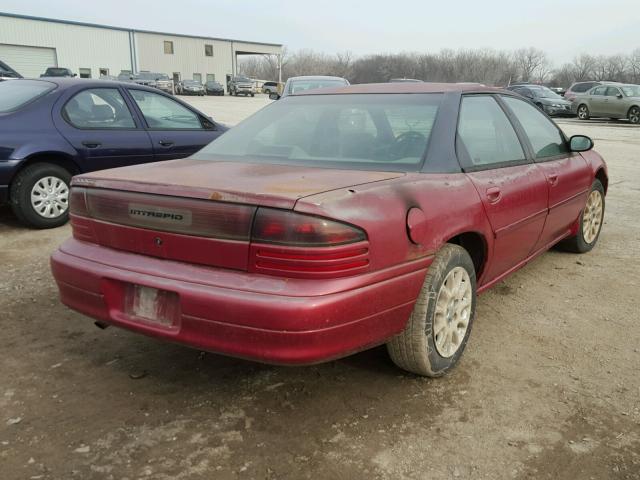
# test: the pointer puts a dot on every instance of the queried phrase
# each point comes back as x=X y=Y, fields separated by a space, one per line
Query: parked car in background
x=332 y=221
x=8 y=73
x=581 y=87
x=125 y=77
x=301 y=84
x=612 y=100
x=53 y=129
x=559 y=90
x=545 y=99
x=190 y=87
x=241 y=86
x=214 y=88
x=160 y=81
x=270 y=87
x=58 y=72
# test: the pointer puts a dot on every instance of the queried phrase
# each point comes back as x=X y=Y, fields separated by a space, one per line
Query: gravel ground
x=547 y=389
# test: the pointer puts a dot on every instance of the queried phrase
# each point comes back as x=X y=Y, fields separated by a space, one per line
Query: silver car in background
x=613 y=101
x=299 y=84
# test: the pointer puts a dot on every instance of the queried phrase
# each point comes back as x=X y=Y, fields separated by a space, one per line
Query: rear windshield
x=56 y=71
x=365 y=131
x=17 y=93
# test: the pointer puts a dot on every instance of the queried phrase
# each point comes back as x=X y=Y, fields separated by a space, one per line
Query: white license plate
x=153 y=305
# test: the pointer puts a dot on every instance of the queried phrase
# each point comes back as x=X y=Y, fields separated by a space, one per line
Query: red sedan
x=333 y=221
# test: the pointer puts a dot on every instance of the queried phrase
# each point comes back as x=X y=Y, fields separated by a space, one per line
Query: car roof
x=402 y=87
x=68 y=82
x=315 y=77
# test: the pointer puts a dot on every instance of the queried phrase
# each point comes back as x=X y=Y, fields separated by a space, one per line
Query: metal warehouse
x=31 y=44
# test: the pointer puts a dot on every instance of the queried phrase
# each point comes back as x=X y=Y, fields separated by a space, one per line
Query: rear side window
x=98 y=108
x=546 y=139
x=582 y=87
x=15 y=94
x=486 y=138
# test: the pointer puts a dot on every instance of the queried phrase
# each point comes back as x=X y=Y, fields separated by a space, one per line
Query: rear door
x=512 y=188
x=176 y=131
x=567 y=173
x=596 y=99
x=99 y=124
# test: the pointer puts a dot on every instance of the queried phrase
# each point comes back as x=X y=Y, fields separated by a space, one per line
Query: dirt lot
x=549 y=387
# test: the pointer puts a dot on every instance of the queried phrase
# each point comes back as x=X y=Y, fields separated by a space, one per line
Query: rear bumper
x=262 y=318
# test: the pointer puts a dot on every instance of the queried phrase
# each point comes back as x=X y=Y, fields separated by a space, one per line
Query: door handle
x=90 y=144
x=553 y=179
x=165 y=143
x=494 y=194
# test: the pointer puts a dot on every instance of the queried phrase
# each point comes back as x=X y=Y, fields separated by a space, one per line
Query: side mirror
x=75 y=74
x=619 y=95
x=274 y=96
x=580 y=143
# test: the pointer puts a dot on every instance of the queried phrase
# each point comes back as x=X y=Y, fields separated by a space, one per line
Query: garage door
x=28 y=61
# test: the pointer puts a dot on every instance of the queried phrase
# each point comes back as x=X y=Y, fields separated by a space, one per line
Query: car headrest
x=102 y=113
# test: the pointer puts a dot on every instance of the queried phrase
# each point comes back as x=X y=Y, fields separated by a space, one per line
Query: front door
x=513 y=190
x=567 y=174
x=176 y=131
x=100 y=126
x=616 y=105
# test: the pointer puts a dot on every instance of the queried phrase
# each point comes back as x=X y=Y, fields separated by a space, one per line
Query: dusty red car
x=333 y=221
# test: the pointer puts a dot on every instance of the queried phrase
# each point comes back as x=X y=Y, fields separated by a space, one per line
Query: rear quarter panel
x=449 y=201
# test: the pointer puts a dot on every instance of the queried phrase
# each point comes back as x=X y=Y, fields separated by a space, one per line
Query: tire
x=416 y=348
x=253 y=94
x=583 y=242
x=583 y=112
x=634 y=115
x=20 y=195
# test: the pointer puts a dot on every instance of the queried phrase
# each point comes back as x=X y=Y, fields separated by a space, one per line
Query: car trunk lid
x=192 y=210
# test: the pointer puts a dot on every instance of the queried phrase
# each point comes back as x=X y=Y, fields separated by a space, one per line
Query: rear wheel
x=583 y=112
x=437 y=331
x=589 y=223
x=634 y=115
x=39 y=195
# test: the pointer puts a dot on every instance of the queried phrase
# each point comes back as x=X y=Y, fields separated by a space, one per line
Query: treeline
x=486 y=66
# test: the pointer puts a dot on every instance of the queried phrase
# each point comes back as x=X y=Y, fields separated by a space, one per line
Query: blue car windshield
x=14 y=94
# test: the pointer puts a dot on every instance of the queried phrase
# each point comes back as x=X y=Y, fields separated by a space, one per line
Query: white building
x=31 y=44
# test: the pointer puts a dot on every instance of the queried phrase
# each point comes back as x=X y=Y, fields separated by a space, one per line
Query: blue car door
x=176 y=131
x=103 y=128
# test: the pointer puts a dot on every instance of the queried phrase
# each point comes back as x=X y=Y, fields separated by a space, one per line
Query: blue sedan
x=52 y=129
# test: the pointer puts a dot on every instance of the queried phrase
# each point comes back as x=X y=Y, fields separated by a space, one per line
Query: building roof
x=110 y=27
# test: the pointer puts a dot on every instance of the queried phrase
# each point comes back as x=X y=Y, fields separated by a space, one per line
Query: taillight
x=297 y=245
x=290 y=228
x=78 y=202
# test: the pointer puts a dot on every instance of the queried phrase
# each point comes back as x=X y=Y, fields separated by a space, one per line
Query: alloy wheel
x=592 y=217
x=634 y=115
x=452 y=312
x=583 y=112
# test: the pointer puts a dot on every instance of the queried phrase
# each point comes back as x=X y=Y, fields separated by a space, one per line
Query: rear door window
x=612 y=91
x=599 y=91
x=544 y=136
x=486 y=138
x=98 y=108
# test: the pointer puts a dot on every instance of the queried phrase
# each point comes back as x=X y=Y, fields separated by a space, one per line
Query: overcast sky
x=563 y=29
